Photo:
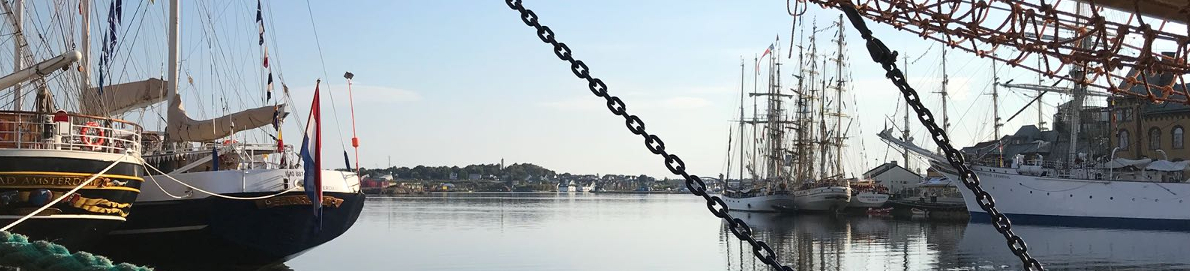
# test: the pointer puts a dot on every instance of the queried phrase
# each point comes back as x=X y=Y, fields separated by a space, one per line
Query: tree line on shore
x=517 y=171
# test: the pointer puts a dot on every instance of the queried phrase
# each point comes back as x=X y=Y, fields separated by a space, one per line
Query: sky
x=466 y=82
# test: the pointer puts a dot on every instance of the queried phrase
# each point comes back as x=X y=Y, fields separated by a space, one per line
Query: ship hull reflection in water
x=628 y=232
x=822 y=242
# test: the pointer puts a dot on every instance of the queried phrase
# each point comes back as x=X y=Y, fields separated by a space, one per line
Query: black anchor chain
x=675 y=165
x=888 y=59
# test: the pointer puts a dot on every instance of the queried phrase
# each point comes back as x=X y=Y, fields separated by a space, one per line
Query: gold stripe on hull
x=65 y=180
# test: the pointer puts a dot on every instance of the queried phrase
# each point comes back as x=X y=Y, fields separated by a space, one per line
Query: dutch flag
x=312 y=159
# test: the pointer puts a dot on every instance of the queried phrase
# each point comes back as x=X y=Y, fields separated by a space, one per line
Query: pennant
x=265 y=49
x=766 y=52
x=312 y=160
x=260 y=22
x=269 y=88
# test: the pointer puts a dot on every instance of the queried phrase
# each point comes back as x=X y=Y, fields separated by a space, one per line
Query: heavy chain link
x=675 y=165
x=888 y=59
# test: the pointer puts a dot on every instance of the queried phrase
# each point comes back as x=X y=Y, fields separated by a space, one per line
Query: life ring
x=92 y=139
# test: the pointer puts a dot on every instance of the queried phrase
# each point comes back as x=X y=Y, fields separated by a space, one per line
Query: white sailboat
x=767 y=193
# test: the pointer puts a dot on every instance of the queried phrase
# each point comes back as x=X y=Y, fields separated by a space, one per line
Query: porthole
x=1090 y=197
x=1111 y=198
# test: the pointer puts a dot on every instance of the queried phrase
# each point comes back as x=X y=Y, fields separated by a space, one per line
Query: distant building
x=474 y=176
x=454 y=175
x=1143 y=128
x=893 y=176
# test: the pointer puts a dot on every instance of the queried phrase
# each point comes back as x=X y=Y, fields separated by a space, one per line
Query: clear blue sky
x=465 y=82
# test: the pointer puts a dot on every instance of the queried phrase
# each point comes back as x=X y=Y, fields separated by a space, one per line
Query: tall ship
x=766 y=186
x=228 y=191
x=69 y=162
x=1119 y=165
x=822 y=185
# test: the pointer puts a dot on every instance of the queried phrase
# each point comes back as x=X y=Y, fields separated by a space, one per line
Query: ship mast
x=811 y=118
x=741 y=120
x=996 y=113
x=171 y=81
x=839 y=136
x=945 y=82
x=802 y=124
x=1077 y=96
x=905 y=131
x=18 y=17
x=85 y=62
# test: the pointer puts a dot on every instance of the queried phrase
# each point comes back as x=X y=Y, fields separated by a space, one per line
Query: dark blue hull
x=1090 y=222
x=226 y=234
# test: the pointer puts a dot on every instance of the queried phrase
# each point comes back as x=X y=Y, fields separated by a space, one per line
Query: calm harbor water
x=568 y=231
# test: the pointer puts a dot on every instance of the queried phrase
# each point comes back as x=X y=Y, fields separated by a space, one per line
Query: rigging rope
x=334 y=110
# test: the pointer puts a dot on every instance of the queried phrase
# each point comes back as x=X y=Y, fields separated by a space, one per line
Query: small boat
x=868 y=194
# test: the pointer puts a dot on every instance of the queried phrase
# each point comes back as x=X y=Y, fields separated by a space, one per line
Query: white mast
x=945 y=82
x=996 y=113
x=171 y=93
x=905 y=132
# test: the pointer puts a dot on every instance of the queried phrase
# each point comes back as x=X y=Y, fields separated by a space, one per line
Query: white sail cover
x=1166 y=165
x=182 y=128
x=120 y=98
x=1123 y=162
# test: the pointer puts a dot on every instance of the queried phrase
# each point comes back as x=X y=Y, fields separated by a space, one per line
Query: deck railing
x=65 y=131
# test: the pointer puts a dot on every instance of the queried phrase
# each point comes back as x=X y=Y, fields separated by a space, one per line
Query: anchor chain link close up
x=887 y=59
x=715 y=204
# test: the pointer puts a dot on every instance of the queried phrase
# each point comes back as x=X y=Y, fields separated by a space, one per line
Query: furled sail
x=182 y=128
x=120 y=98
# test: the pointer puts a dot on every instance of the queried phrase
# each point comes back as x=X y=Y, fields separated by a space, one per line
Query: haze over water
x=560 y=231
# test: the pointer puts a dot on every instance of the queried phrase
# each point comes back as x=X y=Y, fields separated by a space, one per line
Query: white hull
x=766 y=203
x=868 y=200
x=1017 y=194
x=240 y=181
x=820 y=199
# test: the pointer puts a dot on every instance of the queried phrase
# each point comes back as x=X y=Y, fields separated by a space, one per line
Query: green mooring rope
x=17 y=251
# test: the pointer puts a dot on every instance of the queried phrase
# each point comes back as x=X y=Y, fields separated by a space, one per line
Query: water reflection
x=526 y=231
x=826 y=242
